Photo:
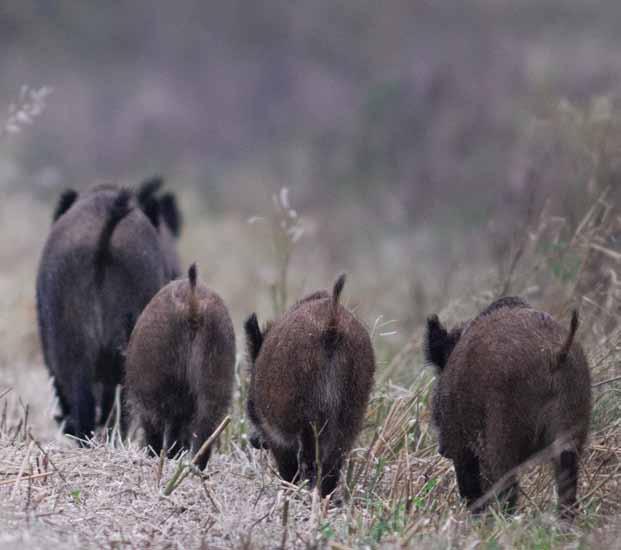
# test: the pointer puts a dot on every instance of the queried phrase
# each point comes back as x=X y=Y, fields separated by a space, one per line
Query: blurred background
x=441 y=153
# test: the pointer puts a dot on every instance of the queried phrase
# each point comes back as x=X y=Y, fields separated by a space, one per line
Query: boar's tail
x=194 y=317
x=120 y=208
x=66 y=199
x=564 y=351
x=330 y=336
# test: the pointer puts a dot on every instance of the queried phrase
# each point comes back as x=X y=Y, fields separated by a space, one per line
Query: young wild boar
x=511 y=383
x=180 y=366
x=311 y=375
x=163 y=208
x=100 y=266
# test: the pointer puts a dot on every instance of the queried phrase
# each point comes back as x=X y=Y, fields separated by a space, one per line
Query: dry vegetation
x=396 y=490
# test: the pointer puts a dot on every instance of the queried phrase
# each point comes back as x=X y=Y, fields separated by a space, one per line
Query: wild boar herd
x=512 y=383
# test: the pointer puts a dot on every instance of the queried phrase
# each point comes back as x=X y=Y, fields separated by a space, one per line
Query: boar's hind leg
x=330 y=457
x=330 y=473
x=287 y=461
x=110 y=366
x=65 y=410
x=176 y=431
x=202 y=430
x=468 y=474
x=566 y=472
x=82 y=416
x=154 y=436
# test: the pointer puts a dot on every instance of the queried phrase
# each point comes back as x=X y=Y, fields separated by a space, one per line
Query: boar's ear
x=254 y=338
x=151 y=208
x=564 y=351
x=171 y=214
x=148 y=189
x=66 y=199
x=439 y=343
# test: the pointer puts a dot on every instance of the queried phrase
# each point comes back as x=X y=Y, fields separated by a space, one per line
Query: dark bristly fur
x=171 y=214
x=148 y=189
x=254 y=338
x=66 y=199
x=505 y=301
x=254 y=341
x=311 y=376
x=180 y=366
x=103 y=255
x=439 y=342
x=148 y=200
x=100 y=266
x=151 y=208
x=162 y=208
x=513 y=384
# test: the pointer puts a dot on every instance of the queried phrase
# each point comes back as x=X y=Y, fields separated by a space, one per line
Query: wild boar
x=180 y=366
x=100 y=266
x=311 y=373
x=511 y=383
x=163 y=208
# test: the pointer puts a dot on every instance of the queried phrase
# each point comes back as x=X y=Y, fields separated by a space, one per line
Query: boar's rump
x=311 y=375
x=510 y=383
x=180 y=366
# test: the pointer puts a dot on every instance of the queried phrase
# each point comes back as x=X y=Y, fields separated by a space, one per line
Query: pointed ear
x=439 y=343
x=65 y=201
x=151 y=208
x=171 y=214
x=148 y=189
x=254 y=337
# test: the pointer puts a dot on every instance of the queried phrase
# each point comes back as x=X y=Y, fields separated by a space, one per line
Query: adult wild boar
x=100 y=266
x=511 y=383
x=180 y=366
x=311 y=375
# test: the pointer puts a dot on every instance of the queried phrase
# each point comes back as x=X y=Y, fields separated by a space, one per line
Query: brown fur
x=513 y=383
x=312 y=373
x=100 y=266
x=180 y=366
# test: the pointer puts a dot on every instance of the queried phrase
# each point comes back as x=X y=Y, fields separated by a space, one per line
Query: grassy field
x=440 y=155
x=396 y=491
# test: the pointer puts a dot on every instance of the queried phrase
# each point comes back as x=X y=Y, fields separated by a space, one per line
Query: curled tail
x=330 y=337
x=194 y=317
x=119 y=209
x=564 y=351
x=65 y=201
